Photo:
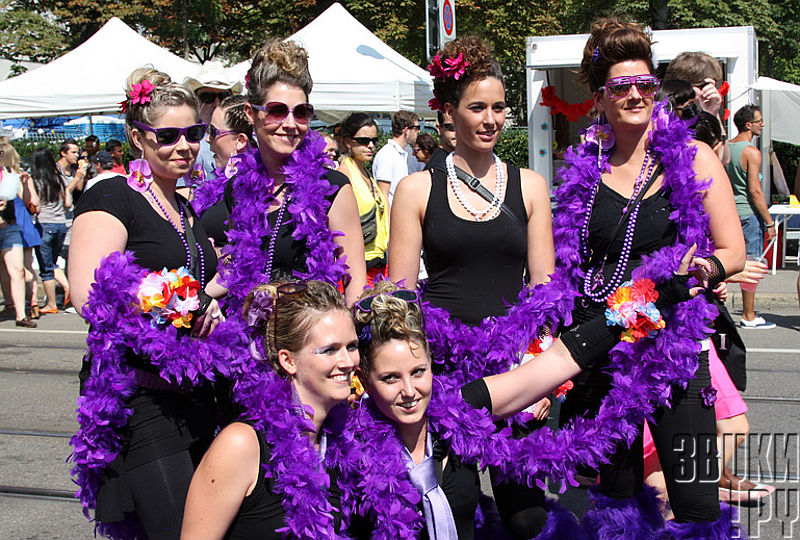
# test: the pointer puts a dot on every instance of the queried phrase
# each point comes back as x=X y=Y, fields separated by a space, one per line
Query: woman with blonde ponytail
x=154 y=425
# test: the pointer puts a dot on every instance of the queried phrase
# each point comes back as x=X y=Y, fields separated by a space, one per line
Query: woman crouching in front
x=274 y=473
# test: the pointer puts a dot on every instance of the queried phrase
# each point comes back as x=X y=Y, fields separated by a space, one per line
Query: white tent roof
x=90 y=78
x=780 y=106
x=353 y=70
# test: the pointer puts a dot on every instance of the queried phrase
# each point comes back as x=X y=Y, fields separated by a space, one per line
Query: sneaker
x=70 y=310
x=757 y=323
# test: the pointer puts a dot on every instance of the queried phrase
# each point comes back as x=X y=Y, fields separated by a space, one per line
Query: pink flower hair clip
x=140 y=92
x=452 y=67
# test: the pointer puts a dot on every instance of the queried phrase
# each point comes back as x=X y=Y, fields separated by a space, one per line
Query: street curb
x=765 y=301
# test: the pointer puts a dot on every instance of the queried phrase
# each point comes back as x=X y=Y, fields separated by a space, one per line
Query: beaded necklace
x=491 y=211
x=594 y=284
x=182 y=236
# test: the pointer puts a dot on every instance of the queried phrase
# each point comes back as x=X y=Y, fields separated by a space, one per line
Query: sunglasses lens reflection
x=194 y=134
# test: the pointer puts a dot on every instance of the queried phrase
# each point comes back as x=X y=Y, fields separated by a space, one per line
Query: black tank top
x=262 y=511
x=654 y=230
x=474 y=267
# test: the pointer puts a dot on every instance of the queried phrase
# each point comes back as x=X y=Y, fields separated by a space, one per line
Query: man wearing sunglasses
x=211 y=85
x=447 y=142
x=744 y=172
x=395 y=160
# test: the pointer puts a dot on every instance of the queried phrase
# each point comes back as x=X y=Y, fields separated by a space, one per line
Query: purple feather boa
x=253 y=187
x=643 y=372
x=117 y=324
x=209 y=192
x=639 y=517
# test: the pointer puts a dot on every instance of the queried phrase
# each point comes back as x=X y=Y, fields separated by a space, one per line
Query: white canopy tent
x=90 y=78
x=780 y=107
x=353 y=70
x=553 y=60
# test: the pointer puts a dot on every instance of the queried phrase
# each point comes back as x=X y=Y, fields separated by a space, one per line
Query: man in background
x=114 y=147
x=744 y=170
x=211 y=85
x=447 y=142
x=103 y=168
x=395 y=160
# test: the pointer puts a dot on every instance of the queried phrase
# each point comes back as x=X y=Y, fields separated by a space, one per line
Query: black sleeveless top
x=262 y=513
x=654 y=230
x=474 y=267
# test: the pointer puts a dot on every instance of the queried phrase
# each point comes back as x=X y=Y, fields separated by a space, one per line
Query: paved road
x=38 y=377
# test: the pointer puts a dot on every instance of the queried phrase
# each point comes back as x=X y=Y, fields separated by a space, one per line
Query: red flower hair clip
x=452 y=67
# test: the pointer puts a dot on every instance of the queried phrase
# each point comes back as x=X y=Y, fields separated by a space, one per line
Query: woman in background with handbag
x=360 y=136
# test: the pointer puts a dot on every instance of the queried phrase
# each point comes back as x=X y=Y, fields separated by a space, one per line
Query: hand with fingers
x=708 y=97
x=205 y=324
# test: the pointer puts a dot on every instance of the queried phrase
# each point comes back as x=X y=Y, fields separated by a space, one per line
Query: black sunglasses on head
x=168 y=136
x=364 y=141
x=209 y=97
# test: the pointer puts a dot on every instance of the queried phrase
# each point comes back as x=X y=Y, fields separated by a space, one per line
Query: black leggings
x=522 y=508
x=159 y=490
x=685 y=439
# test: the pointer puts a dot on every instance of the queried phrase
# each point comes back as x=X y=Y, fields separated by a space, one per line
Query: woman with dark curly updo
x=478 y=254
x=634 y=193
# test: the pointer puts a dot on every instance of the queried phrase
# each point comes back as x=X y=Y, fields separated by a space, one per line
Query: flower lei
x=169 y=297
x=246 y=255
x=116 y=325
x=631 y=307
x=642 y=374
x=572 y=111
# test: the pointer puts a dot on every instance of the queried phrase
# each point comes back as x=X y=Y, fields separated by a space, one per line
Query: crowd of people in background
x=317 y=258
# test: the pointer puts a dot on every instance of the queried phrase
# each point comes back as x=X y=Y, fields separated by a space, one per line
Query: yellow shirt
x=367 y=196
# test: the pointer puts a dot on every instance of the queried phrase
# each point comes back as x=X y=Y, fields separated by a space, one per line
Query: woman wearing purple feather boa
x=311 y=226
x=640 y=186
x=439 y=432
x=143 y=428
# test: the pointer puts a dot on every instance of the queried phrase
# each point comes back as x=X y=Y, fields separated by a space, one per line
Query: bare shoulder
x=236 y=443
x=413 y=188
x=750 y=151
x=527 y=176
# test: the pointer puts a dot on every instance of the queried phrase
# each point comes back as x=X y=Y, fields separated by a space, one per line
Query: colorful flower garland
x=118 y=324
x=247 y=258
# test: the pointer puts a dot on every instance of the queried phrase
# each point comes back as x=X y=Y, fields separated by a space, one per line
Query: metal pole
x=91 y=126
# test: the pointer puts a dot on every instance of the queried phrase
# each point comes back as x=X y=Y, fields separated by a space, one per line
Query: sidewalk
x=774 y=292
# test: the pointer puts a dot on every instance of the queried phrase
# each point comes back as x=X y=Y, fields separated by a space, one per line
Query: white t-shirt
x=393 y=163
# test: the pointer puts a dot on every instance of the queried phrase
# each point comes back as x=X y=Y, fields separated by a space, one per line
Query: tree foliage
x=26 y=34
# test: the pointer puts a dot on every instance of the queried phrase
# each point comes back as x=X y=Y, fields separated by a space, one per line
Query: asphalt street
x=38 y=378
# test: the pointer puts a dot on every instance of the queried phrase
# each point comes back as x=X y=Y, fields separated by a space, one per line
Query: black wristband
x=673 y=291
x=717 y=273
x=205 y=301
x=590 y=341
